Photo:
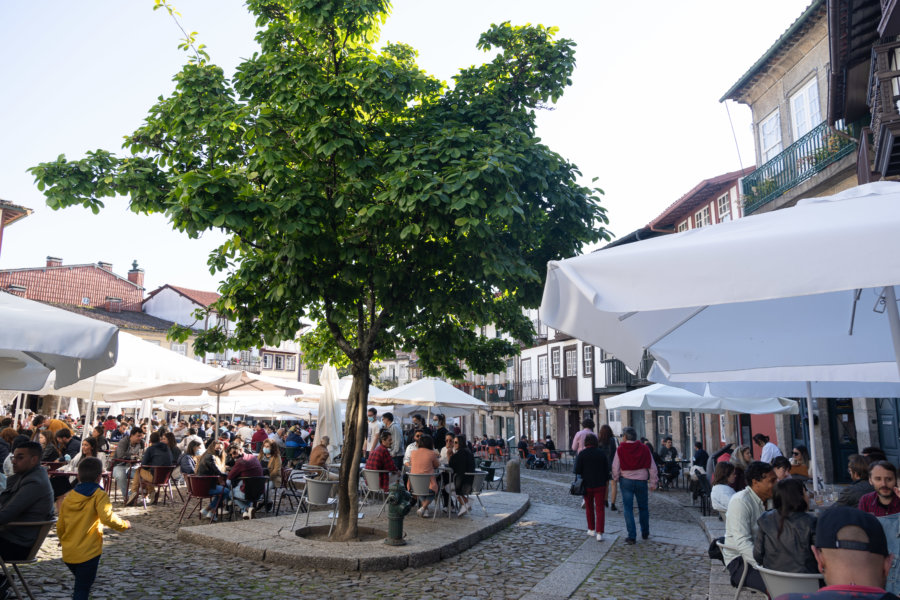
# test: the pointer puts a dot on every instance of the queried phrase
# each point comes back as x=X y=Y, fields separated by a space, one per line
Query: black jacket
x=593 y=466
x=850 y=495
x=158 y=455
x=28 y=497
x=789 y=551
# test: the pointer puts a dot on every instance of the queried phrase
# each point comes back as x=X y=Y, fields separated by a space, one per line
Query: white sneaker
x=426 y=514
x=251 y=511
x=599 y=537
x=421 y=511
x=204 y=512
x=462 y=510
x=582 y=504
x=246 y=514
x=591 y=532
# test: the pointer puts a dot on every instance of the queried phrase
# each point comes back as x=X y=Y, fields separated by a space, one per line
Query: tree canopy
x=359 y=193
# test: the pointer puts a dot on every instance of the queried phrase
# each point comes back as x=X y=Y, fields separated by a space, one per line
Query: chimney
x=136 y=275
x=113 y=304
x=53 y=261
x=105 y=265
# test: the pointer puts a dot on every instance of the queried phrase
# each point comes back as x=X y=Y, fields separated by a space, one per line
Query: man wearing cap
x=883 y=501
x=744 y=508
x=852 y=553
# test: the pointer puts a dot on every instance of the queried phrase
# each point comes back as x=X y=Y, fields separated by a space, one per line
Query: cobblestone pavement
x=149 y=562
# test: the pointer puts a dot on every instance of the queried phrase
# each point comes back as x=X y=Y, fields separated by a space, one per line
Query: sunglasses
x=795 y=453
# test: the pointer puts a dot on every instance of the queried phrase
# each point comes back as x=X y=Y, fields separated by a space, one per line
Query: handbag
x=577 y=487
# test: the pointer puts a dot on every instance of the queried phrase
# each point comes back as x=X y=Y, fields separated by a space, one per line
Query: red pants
x=594 y=507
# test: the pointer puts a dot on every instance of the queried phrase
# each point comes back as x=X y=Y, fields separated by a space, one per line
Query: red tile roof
x=197 y=296
x=699 y=194
x=76 y=285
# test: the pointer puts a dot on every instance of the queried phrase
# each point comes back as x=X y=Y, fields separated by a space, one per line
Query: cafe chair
x=495 y=479
x=43 y=528
x=780 y=582
x=740 y=586
x=255 y=489
x=162 y=479
x=478 y=478
x=317 y=493
x=420 y=488
x=199 y=487
x=293 y=484
x=372 y=478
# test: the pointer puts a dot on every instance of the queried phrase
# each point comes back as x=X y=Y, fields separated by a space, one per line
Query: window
x=701 y=217
x=805 y=109
x=279 y=362
x=178 y=348
x=723 y=205
x=245 y=357
x=267 y=361
x=290 y=363
x=554 y=357
x=615 y=421
x=571 y=362
x=510 y=371
x=770 y=137
x=588 y=357
x=543 y=380
x=683 y=226
x=526 y=369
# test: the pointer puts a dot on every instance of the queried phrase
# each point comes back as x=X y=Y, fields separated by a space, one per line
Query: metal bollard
x=513 y=484
x=399 y=504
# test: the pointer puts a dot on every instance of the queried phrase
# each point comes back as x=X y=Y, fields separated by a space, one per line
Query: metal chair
x=478 y=478
x=779 y=582
x=43 y=528
x=740 y=586
x=317 y=493
x=372 y=478
x=254 y=488
x=199 y=487
x=291 y=482
x=496 y=478
x=420 y=487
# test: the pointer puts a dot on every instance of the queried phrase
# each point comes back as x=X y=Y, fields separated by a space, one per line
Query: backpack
x=714 y=552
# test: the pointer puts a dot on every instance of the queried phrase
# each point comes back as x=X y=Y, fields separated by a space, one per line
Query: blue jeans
x=632 y=488
x=84 y=573
x=219 y=489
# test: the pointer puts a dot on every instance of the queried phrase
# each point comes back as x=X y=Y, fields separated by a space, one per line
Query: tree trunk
x=355 y=430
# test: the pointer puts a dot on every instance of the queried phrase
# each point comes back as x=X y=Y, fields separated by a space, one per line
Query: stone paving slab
x=562 y=581
x=427 y=540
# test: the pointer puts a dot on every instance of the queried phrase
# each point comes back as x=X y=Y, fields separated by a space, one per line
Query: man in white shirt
x=244 y=431
x=411 y=446
x=190 y=437
x=744 y=508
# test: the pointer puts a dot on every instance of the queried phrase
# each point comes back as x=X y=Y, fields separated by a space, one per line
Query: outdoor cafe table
x=105 y=477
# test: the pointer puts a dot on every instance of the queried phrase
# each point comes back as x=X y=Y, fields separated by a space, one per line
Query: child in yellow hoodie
x=84 y=512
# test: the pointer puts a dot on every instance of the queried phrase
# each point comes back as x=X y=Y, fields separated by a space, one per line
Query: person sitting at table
x=128 y=449
x=102 y=443
x=157 y=454
x=549 y=445
x=741 y=458
x=63 y=485
x=28 y=497
x=858 y=466
x=722 y=489
x=119 y=433
x=68 y=445
x=270 y=459
x=462 y=461
x=417 y=435
x=424 y=460
x=447 y=450
x=785 y=535
x=782 y=468
x=245 y=465
x=212 y=463
x=188 y=461
x=380 y=459
x=49 y=450
x=320 y=454
x=668 y=454
x=744 y=510
x=800 y=461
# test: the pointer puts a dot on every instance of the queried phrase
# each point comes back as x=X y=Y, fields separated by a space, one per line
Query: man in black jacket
x=28 y=497
x=157 y=454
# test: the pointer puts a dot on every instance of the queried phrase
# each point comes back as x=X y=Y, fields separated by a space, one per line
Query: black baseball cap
x=835 y=519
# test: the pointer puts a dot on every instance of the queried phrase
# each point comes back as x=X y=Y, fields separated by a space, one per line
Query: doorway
x=842 y=426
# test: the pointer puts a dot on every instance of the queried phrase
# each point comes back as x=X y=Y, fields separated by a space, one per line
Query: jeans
x=215 y=491
x=594 y=508
x=753 y=580
x=120 y=473
x=237 y=494
x=632 y=488
x=84 y=573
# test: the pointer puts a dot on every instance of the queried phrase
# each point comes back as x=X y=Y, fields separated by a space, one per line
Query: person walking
x=635 y=473
x=592 y=465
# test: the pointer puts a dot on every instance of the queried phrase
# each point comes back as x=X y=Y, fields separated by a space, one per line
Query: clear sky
x=642 y=114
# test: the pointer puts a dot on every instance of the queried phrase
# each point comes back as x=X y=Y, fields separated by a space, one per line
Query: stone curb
x=271 y=541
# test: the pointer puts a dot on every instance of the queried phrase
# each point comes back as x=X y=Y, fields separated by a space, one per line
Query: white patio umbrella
x=227 y=382
x=73 y=409
x=428 y=392
x=146 y=411
x=808 y=292
x=115 y=409
x=664 y=397
x=330 y=422
x=37 y=339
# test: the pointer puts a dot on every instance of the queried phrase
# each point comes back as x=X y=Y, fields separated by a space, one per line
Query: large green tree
x=359 y=193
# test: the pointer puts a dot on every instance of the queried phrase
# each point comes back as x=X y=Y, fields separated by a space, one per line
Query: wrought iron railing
x=822 y=146
x=495 y=392
x=531 y=391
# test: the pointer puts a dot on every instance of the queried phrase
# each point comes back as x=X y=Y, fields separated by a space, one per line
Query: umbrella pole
x=812 y=440
x=890 y=299
x=216 y=426
x=58 y=400
x=89 y=418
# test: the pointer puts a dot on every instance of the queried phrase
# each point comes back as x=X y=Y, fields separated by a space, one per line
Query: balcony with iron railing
x=531 y=391
x=494 y=393
x=618 y=378
x=883 y=99
x=822 y=146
